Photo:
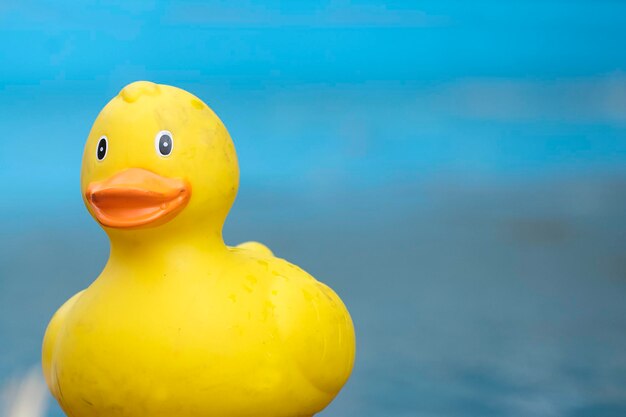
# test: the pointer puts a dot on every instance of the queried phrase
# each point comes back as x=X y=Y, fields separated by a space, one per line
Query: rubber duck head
x=158 y=162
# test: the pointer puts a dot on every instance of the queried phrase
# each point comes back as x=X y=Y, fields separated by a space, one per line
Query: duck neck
x=135 y=249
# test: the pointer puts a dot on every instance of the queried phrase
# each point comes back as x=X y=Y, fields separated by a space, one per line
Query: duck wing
x=315 y=327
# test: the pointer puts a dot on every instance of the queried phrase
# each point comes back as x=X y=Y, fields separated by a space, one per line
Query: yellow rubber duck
x=178 y=324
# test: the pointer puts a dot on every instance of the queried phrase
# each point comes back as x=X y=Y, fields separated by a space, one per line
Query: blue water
x=484 y=281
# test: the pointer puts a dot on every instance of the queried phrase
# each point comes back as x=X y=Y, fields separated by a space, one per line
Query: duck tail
x=256 y=247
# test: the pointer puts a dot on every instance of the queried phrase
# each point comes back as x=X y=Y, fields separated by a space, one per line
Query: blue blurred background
x=454 y=170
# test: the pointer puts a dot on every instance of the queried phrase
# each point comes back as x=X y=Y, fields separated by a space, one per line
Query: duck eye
x=101 y=150
x=164 y=143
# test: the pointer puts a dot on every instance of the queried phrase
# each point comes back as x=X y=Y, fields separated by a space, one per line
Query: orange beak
x=136 y=197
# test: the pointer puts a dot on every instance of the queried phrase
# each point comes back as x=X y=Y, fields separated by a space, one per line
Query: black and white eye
x=101 y=150
x=164 y=142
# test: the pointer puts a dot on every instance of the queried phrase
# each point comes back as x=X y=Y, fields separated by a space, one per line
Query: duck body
x=179 y=324
x=243 y=330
